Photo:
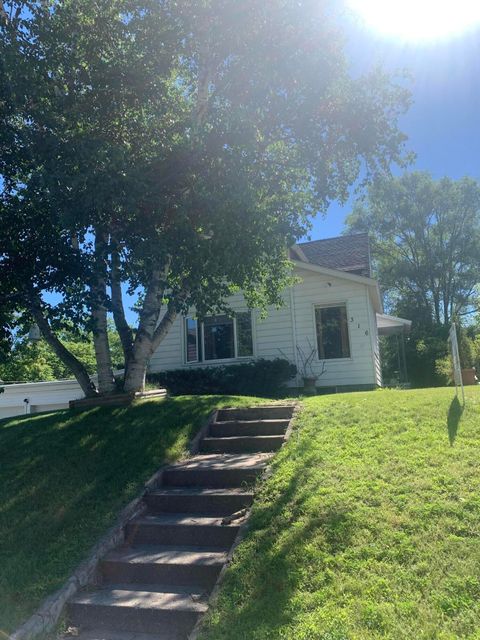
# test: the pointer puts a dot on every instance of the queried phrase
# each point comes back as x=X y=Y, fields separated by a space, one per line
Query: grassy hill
x=368 y=528
x=64 y=477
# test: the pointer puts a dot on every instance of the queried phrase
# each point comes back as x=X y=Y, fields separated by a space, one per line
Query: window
x=332 y=332
x=191 y=332
x=244 y=334
x=219 y=338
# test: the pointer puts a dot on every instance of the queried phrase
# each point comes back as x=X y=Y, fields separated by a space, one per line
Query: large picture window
x=332 y=332
x=219 y=338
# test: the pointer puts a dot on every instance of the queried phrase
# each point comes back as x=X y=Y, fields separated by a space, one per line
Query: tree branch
x=106 y=380
x=69 y=360
x=121 y=324
x=168 y=319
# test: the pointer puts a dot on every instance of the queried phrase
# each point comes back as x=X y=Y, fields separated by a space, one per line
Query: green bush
x=259 y=378
x=444 y=370
x=476 y=352
x=466 y=349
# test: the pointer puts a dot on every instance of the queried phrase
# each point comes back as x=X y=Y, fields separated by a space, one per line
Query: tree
x=425 y=236
x=425 y=241
x=173 y=148
x=36 y=361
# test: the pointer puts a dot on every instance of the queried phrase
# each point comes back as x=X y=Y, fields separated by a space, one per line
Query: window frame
x=329 y=305
x=185 y=341
x=201 y=335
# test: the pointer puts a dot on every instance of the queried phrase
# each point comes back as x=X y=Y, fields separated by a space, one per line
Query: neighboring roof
x=345 y=253
x=389 y=325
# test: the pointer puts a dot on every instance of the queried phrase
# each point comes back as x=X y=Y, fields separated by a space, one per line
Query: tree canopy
x=36 y=361
x=425 y=241
x=175 y=148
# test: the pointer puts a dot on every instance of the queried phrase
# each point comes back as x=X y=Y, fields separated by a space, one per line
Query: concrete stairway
x=157 y=584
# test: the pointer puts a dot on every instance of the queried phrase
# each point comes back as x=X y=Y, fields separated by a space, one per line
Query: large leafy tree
x=425 y=241
x=175 y=148
x=34 y=361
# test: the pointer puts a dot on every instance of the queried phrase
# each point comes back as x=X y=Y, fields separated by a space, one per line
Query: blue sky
x=443 y=123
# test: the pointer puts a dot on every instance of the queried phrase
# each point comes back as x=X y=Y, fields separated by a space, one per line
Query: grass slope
x=63 y=479
x=368 y=528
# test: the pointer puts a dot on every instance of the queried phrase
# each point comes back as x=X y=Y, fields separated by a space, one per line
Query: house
x=335 y=309
x=34 y=397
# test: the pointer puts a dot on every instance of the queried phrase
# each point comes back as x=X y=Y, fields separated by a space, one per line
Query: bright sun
x=418 y=20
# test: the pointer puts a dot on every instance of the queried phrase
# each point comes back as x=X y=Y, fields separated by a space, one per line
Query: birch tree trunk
x=124 y=331
x=76 y=367
x=151 y=332
x=106 y=380
x=142 y=347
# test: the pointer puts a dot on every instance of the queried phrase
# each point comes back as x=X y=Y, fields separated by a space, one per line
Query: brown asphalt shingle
x=346 y=253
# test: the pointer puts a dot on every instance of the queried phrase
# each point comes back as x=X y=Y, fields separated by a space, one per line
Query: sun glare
x=418 y=20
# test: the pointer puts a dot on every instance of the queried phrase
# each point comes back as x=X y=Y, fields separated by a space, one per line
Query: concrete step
x=180 y=529
x=138 y=611
x=217 y=502
x=242 y=444
x=176 y=566
x=248 y=428
x=216 y=471
x=275 y=411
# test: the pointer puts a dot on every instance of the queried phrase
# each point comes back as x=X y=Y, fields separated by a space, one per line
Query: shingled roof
x=345 y=253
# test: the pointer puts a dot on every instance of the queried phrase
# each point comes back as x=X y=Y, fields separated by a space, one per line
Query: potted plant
x=306 y=358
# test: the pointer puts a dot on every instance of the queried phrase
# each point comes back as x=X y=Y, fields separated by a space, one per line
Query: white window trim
x=235 y=358
x=326 y=305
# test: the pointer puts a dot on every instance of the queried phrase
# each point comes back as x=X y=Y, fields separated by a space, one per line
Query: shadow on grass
x=453 y=419
x=269 y=569
x=65 y=475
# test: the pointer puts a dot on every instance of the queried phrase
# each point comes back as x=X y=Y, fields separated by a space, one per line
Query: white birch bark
x=142 y=347
x=106 y=380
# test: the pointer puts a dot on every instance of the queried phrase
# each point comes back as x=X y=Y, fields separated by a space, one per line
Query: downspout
x=405 y=370
x=371 y=322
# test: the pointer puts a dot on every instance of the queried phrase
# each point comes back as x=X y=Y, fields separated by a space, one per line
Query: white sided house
x=334 y=310
x=35 y=397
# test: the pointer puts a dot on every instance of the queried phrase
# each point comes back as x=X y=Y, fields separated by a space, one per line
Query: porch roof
x=389 y=325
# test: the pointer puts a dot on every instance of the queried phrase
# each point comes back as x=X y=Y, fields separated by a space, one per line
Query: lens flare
x=418 y=20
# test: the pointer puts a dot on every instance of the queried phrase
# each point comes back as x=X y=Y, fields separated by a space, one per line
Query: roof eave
x=296 y=249
x=373 y=287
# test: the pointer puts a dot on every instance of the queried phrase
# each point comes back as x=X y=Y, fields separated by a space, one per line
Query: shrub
x=443 y=368
x=260 y=378
x=466 y=349
x=476 y=351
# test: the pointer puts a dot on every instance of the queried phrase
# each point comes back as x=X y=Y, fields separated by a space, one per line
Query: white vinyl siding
x=41 y=396
x=276 y=336
x=317 y=290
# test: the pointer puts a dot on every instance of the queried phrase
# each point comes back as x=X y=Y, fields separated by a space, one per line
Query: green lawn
x=63 y=479
x=368 y=528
